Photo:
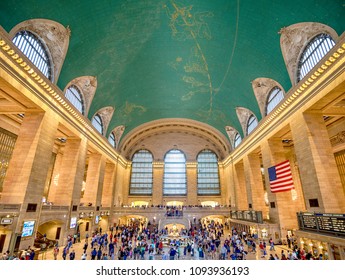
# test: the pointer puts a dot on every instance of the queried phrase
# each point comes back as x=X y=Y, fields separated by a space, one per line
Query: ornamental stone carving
x=118 y=131
x=106 y=114
x=243 y=115
x=54 y=35
x=87 y=86
x=231 y=132
x=294 y=39
x=262 y=88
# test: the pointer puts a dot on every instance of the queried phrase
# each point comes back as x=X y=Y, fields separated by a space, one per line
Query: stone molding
x=294 y=39
x=338 y=139
x=262 y=88
x=54 y=35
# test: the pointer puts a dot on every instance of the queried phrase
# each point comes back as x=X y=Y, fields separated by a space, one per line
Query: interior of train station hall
x=117 y=112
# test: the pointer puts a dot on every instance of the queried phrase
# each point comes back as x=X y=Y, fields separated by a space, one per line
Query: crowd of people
x=204 y=240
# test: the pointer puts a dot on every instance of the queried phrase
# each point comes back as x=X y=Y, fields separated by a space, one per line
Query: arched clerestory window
x=208 y=175
x=237 y=140
x=251 y=124
x=274 y=97
x=111 y=139
x=175 y=178
x=74 y=95
x=35 y=50
x=315 y=50
x=98 y=123
x=141 y=174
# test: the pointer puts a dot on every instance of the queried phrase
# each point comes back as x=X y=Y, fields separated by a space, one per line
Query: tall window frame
x=175 y=174
x=141 y=173
x=273 y=99
x=74 y=95
x=35 y=50
x=208 y=173
x=314 y=51
x=97 y=122
x=251 y=124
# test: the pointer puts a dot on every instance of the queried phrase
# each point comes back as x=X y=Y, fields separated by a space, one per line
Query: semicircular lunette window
x=251 y=124
x=316 y=49
x=275 y=96
x=34 y=49
x=74 y=96
x=111 y=139
x=98 y=123
x=238 y=140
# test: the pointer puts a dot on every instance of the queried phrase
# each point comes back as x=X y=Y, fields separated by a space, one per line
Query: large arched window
x=142 y=173
x=175 y=179
x=237 y=140
x=111 y=139
x=34 y=49
x=251 y=124
x=74 y=96
x=316 y=49
x=208 y=175
x=98 y=123
x=274 y=97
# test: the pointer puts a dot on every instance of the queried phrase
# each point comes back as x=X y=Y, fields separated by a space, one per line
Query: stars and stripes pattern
x=281 y=177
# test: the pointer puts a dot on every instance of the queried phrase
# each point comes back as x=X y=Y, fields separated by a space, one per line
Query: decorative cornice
x=53 y=96
x=302 y=92
x=338 y=139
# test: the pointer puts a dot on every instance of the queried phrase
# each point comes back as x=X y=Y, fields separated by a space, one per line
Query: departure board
x=332 y=223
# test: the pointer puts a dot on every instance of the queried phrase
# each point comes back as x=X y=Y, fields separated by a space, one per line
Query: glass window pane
x=275 y=96
x=33 y=48
x=111 y=139
x=313 y=53
x=142 y=173
x=74 y=96
x=97 y=123
x=208 y=176
x=175 y=179
x=252 y=123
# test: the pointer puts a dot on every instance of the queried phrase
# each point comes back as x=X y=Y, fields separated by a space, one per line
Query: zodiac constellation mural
x=188 y=25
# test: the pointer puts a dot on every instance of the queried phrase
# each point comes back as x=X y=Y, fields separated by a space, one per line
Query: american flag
x=280 y=177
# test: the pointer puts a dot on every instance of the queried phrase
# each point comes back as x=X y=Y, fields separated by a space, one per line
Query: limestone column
x=120 y=173
x=71 y=172
x=158 y=173
x=27 y=172
x=284 y=210
x=254 y=183
x=108 y=185
x=224 y=186
x=192 y=183
x=56 y=175
x=126 y=178
x=318 y=170
x=94 y=180
x=240 y=187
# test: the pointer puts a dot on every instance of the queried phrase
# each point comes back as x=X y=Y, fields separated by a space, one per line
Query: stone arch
x=87 y=86
x=262 y=87
x=243 y=115
x=53 y=34
x=106 y=113
x=231 y=132
x=294 y=39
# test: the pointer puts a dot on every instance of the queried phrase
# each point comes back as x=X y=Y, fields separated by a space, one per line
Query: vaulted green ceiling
x=190 y=59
